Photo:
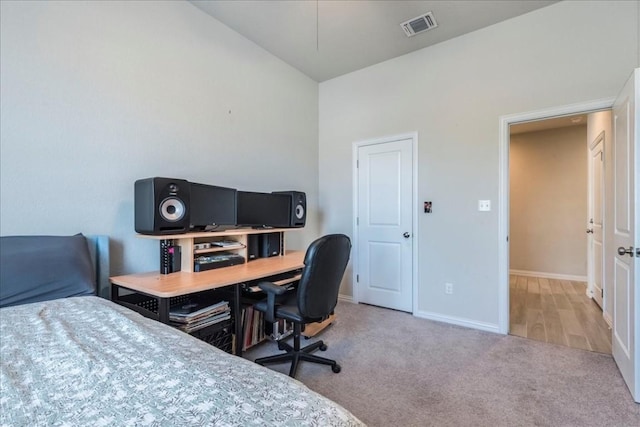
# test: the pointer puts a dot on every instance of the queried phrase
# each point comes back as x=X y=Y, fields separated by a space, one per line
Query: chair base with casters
x=295 y=354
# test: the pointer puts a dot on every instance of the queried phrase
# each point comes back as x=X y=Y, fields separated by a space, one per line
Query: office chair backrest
x=324 y=265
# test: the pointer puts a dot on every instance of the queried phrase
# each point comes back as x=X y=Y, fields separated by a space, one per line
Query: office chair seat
x=314 y=300
x=288 y=311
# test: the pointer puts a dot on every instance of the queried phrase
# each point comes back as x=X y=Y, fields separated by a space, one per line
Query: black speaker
x=298 y=215
x=253 y=246
x=162 y=206
x=269 y=244
x=212 y=206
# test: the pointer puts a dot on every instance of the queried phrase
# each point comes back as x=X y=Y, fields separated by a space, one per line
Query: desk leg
x=163 y=310
x=115 y=294
x=237 y=315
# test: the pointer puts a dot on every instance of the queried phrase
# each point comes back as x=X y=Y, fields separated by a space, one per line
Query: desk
x=162 y=287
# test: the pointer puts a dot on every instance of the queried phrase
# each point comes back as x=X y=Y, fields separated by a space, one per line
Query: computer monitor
x=263 y=209
x=212 y=207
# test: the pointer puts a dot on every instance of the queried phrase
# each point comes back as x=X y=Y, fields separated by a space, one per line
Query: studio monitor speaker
x=162 y=206
x=298 y=215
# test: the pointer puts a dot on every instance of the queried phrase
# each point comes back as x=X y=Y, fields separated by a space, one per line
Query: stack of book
x=193 y=315
x=253 y=327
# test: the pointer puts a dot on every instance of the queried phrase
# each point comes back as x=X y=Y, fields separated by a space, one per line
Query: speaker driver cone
x=299 y=211
x=172 y=209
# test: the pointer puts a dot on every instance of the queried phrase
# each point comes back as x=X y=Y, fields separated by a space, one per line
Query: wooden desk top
x=182 y=283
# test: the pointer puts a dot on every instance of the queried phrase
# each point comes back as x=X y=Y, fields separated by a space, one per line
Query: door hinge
x=602 y=293
x=357 y=278
x=601 y=156
x=638 y=252
x=357 y=164
x=357 y=220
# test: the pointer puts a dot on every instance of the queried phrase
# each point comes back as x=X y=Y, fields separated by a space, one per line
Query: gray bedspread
x=85 y=361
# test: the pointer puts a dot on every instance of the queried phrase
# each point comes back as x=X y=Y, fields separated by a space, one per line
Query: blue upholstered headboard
x=41 y=268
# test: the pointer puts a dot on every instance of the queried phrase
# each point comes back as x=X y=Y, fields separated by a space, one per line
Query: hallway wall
x=548 y=202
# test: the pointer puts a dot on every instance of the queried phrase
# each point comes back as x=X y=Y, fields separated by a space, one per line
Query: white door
x=594 y=227
x=384 y=224
x=625 y=228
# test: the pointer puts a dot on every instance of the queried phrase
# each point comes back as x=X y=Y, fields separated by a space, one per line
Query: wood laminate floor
x=557 y=311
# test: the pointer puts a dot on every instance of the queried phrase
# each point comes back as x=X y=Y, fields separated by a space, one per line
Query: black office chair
x=314 y=300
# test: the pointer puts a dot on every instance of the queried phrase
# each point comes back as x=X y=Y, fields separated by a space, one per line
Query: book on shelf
x=252 y=326
x=246 y=327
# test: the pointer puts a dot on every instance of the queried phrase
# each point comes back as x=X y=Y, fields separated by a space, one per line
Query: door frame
x=503 y=187
x=413 y=136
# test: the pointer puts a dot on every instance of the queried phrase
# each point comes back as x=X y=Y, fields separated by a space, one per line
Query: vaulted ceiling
x=327 y=38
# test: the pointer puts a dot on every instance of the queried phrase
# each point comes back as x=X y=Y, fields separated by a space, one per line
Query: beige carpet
x=398 y=370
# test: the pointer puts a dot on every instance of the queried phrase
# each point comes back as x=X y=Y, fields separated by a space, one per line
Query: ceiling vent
x=420 y=24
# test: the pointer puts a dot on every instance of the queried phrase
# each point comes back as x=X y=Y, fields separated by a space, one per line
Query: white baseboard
x=548 y=275
x=459 y=321
x=345 y=298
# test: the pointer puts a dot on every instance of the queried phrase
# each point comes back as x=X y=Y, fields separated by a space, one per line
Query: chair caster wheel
x=336 y=368
x=280 y=346
x=323 y=347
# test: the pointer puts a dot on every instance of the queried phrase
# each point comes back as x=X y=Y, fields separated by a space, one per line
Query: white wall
x=596 y=124
x=98 y=94
x=548 y=201
x=453 y=95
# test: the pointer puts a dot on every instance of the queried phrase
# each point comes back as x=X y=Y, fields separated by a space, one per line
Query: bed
x=72 y=358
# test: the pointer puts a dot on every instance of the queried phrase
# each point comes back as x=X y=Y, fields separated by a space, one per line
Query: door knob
x=623 y=251
x=589 y=231
x=406 y=235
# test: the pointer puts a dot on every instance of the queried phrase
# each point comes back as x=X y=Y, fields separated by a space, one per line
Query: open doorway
x=555 y=228
x=622 y=219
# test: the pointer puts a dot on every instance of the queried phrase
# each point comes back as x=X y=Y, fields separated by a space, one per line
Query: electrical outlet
x=448 y=288
x=484 y=205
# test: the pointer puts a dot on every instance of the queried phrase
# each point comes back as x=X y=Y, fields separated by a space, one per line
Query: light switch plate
x=484 y=205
